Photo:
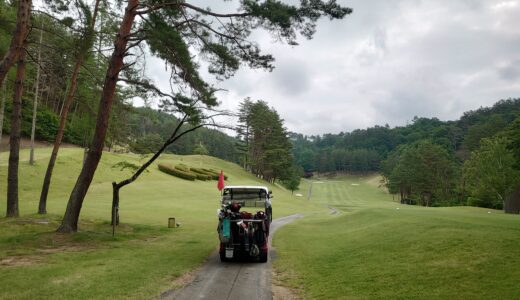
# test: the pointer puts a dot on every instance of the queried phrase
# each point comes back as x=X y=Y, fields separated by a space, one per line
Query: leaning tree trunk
x=42 y=206
x=70 y=219
x=14 y=140
x=35 y=104
x=23 y=18
x=116 y=186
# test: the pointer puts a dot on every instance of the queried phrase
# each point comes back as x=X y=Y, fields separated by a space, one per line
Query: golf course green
x=375 y=248
x=145 y=258
x=370 y=248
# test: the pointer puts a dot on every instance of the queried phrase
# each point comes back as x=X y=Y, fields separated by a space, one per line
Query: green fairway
x=145 y=257
x=376 y=248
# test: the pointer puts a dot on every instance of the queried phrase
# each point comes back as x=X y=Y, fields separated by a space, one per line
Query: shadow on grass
x=35 y=235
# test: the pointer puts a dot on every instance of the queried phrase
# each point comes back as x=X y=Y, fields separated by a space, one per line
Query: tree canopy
x=266 y=145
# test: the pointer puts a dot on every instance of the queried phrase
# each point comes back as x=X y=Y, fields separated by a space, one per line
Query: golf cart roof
x=246 y=188
x=247 y=196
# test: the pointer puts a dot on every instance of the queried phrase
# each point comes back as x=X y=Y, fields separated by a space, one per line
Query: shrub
x=202 y=176
x=214 y=172
x=176 y=172
x=182 y=167
x=201 y=171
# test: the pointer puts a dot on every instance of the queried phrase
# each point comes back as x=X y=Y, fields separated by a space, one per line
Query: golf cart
x=244 y=220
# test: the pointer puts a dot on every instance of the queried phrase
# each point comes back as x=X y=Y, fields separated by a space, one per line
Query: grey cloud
x=380 y=38
x=291 y=78
x=510 y=72
x=387 y=62
x=404 y=104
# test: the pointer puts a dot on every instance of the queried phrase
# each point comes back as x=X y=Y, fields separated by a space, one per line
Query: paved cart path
x=232 y=280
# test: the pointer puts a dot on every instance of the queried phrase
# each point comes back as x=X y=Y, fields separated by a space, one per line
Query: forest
x=474 y=160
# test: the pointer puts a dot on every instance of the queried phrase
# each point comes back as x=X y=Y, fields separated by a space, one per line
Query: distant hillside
x=139 y=129
x=148 y=128
x=471 y=161
x=363 y=150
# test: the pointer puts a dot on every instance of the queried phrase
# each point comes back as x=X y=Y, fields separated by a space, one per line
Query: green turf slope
x=144 y=259
x=378 y=249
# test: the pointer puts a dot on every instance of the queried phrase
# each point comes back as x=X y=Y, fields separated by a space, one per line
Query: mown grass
x=144 y=258
x=378 y=249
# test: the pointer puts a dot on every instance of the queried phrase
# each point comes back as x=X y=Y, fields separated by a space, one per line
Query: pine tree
x=268 y=145
x=171 y=30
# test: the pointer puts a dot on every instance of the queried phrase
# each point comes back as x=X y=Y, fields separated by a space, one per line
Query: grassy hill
x=146 y=256
x=373 y=248
x=378 y=249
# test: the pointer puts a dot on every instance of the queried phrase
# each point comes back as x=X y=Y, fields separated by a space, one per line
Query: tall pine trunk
x=42 y=206
x=23 y=18
x=36 y=93
x=70 y=219
x=14 y=139
x=2 y=109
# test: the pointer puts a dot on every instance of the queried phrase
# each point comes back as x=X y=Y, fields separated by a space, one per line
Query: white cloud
x=385 y=63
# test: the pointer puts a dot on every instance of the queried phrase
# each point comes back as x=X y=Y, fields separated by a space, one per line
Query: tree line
x=470 y=161
x=84 y=62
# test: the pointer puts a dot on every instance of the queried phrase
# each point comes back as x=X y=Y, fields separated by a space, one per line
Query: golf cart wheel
x=223 y=257
x=263 y=257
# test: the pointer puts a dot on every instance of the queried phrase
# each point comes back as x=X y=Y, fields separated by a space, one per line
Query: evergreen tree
x=292 y=181
x=200 y=149
x=489 y=173
x=422 y=171
x=18 y=39
x=243 y=130
x=269 y=148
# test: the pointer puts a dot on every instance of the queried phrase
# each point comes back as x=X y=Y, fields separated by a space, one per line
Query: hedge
x=182 y=167
x=200 y=171
x=183 y=171
x=176 y=172
x=202 y=176
x=211 y=171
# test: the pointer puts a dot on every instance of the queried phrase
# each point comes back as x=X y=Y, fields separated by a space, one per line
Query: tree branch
x=149 y=86
x=193 y=7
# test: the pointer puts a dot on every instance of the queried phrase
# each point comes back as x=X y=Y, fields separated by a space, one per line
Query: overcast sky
x=386 y=63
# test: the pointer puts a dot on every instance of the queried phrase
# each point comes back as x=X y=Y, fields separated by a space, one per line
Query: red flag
x=220 y=184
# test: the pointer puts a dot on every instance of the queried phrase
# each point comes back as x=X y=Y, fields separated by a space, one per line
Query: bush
x=183 y=168
x=202 y=176
x=214 y=172
x=176 y=172
x=201 y=171
x=47 y=124
x=46 y=121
